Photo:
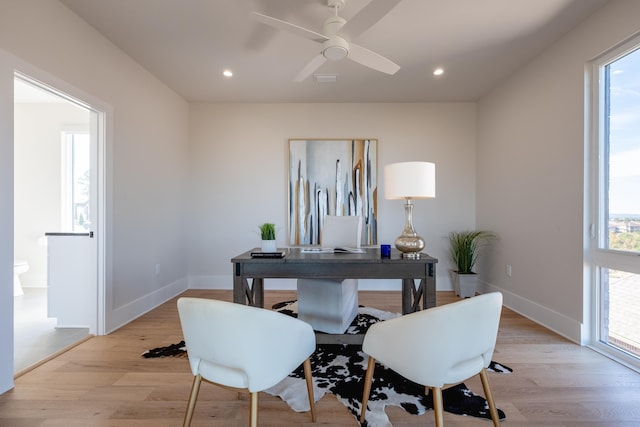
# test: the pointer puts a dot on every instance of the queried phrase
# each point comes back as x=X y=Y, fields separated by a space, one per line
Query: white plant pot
x=454 y=281
x=269 y=246
x=465 y=285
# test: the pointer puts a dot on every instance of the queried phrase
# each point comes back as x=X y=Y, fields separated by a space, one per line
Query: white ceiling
x=188 y=43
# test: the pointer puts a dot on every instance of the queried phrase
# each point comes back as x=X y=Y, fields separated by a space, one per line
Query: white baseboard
x=550 y=319
x=122 y=315
x=210 y=282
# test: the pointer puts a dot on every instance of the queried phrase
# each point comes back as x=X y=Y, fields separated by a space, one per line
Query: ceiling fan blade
x=313 y=65
x=371 y=59
x=367 y=17
x=289 y=27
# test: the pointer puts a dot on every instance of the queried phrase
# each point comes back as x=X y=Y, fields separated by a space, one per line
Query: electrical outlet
x=508 y=271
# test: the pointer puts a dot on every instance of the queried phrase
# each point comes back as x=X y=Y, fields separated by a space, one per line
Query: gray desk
x=368 y=265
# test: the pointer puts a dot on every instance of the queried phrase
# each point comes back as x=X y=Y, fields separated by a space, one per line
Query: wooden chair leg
x=253 y=412
x=489 y=396
x=193 y=396
x=309 y=377
x=367 y=387
x=436 y=393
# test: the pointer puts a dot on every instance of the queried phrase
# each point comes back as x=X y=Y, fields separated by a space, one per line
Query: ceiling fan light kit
x=336 y=47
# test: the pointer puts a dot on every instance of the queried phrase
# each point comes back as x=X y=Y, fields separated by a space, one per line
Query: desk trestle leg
x=413 y=298
x=254 y=294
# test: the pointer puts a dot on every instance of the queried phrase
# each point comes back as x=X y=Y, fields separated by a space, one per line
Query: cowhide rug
x=340 y=369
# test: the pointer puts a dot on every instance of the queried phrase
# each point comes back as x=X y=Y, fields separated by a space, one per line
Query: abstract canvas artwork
x=331 y=177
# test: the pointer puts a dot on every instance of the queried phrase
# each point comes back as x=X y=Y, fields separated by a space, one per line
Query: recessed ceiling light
x=227 y=73
x=438 y=71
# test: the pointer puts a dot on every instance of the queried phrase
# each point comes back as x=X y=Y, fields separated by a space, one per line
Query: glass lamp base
x=409 y=243
x=410 y=246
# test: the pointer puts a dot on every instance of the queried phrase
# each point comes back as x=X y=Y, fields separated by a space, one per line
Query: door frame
x=101 y=114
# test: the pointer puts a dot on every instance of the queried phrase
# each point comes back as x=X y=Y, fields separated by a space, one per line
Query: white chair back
x=242 y=346
x=441 y=345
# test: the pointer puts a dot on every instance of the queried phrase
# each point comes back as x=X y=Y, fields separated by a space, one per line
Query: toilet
x=19 y=266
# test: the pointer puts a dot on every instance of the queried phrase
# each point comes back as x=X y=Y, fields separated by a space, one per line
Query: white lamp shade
x=414 y=180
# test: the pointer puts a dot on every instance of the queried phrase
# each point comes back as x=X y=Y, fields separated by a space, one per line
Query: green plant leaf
x=268 y=231
x=464 y=246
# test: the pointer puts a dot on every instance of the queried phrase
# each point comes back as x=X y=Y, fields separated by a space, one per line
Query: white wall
x=239 y=164
x=531 y=141
x=37 y=183
x=146 y=158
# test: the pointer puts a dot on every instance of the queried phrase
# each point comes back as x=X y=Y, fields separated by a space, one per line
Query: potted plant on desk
x=464 y=251
x=268 y=235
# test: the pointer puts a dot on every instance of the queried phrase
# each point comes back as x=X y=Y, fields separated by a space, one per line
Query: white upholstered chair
x=438 y=347
x=330 y=305
x=243 y=348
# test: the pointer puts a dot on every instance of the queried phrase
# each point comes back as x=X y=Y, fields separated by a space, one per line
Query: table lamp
x=409 y=180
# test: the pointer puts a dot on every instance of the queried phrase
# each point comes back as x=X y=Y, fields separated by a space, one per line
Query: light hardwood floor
x=105 y=382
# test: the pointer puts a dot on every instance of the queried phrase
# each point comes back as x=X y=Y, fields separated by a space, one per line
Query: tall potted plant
x=268 y=235
x=464 y=251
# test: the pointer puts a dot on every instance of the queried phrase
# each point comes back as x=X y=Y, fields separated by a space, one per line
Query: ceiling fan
x=337 y=34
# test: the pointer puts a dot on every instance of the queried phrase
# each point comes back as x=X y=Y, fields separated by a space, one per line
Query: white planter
x=465 y=285
x=269 y=246
x=454 y=281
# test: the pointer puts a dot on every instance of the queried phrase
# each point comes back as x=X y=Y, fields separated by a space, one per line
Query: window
x=622 y=152
x=76 y=167
x=615 y=244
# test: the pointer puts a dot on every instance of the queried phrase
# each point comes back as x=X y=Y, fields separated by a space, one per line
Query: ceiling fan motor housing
x=336 y=47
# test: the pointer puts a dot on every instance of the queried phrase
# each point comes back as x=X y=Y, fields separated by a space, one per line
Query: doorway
x=56 y=158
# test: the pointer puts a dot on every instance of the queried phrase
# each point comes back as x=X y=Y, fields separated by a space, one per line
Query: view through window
x=76 y=169
x=620 y=290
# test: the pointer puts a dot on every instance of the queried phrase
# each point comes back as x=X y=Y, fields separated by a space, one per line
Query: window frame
x=597 y=254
